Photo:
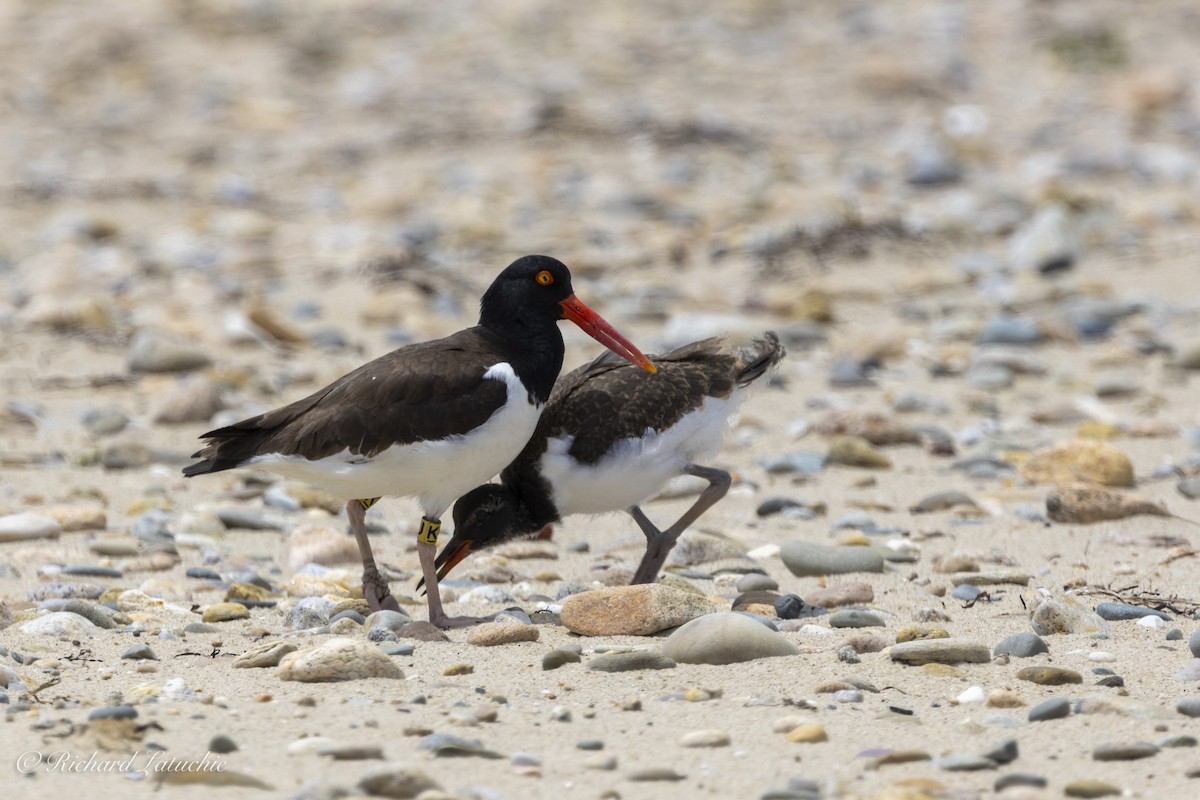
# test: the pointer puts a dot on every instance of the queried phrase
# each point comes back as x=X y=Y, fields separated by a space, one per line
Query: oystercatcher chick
x=610 y=439
x=429 y=420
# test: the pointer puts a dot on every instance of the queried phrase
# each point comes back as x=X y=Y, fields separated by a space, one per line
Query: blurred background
x=353 y=174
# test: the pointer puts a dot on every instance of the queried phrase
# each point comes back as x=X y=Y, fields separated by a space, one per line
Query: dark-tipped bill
x=595 y=326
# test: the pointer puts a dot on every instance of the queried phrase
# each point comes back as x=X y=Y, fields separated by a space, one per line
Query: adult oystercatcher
x=429 y=420
x=611 y=439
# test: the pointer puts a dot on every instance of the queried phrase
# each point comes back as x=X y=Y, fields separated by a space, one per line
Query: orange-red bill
x=595 y=326
x=451 y=555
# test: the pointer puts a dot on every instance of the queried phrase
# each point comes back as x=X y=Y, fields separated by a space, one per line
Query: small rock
x=1124 y=751
x=139 y=652
x=60 y=624
x=397 y=781
x=221 y=744
x=152 y=352
x=1084 y=504
x=1090 y=789
x=225 y=612
x=705 y=738
x=725 y=638
x=756 y=582
x=941 y=651
x=963 y=763
x=808 y=733
x=640 y=610
x=557 y=658
x=1189 y=706
x=197 y=398
x=853 y=618
x=113 y=712
x=1061 y=614
x=630 y=662
x=1049 y=676
x=264 y=654
x=491 y=634
x=1083 y=460
x=845 y=594
x=125 y=454
x=1021 y=645
x=1015 y=779
x=808 y=559
x=338 y=660
x=1054 y=708
x=1124 y=611
x=854 y=451
x=941 y=501
x=100 y=616
x=27 y=526
x=792 y=606
x=1004 y=753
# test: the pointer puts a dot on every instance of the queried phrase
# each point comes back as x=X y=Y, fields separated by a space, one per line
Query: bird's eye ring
x=544 y=278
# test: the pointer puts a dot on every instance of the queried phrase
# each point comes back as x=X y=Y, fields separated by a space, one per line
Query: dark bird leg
x=426 y=552
x=659 y=543
x=375 y=588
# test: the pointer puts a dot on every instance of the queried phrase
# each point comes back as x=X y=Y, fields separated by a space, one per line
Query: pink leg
x=375 y=588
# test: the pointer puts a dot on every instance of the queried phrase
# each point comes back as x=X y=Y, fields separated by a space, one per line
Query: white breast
x=636 y=469
x=436 y=472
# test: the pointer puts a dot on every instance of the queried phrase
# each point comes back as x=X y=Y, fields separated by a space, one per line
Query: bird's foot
x=376 y=591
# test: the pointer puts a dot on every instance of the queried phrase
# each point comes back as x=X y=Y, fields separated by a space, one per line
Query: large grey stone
x=725 y=638
x=808 y=559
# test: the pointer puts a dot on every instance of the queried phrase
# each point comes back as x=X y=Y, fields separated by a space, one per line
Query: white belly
x=635 y=470
x=435 y=472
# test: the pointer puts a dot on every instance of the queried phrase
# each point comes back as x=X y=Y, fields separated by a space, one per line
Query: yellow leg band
x=429 y=531
x=368 y=503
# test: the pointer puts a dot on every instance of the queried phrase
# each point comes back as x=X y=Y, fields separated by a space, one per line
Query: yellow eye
x=544 y=278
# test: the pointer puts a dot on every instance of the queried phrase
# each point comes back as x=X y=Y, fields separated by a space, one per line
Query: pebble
x=99 y=616
x=855 y=451
x=802 y=463
x=1189 y=487
x=1124 y=751
x=941 y=651
x=106 y=421
x=491 y=634
x=808 y=733
x=630 y=662
x=1084 y=504
x=222 y=744
x=397 y=780
x=790 y=509
x=1021 y=645
x=139 y=652
x=1123 y=611
x=1061 y=614
x=264 y=654
x=706 y=738
x=125 y=454
x=557 y=658
x=640 y=610
x=843 y=594
x=1090 y=788
x=27 y=526
x=963 y=763
x=225 y=612
x=1004 y=753
x=1054 y=708
x=92 y=571
x=725 y=638
x=113 y=712
x=386 y=618
x=808 y=559
x=151 y=351
x=1009 y=329
x=444 y=744
x=338 y=659
x=1189 y=706
x=853 y=618
x=1019 y=779
x=1049 y=676
x=60 y=624
x=756 y=582
x=1083 y=460
x=792 y=606
x=942 y=501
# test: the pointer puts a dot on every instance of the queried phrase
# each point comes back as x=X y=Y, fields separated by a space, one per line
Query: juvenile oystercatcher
x=429 y=420
x=609 y=440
